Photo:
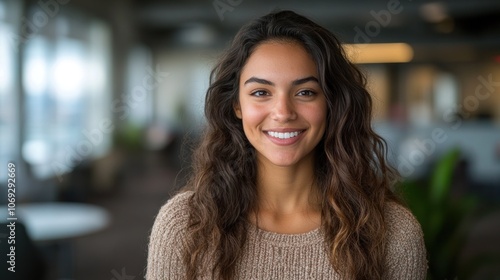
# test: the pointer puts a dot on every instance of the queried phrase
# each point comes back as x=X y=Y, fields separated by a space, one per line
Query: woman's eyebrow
x=305 y=80
x=295 y=82
x=259 y=80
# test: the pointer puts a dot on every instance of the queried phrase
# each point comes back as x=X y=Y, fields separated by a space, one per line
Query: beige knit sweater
x=271 y=255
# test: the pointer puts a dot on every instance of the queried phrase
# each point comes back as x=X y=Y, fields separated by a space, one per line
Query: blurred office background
x=101 y=103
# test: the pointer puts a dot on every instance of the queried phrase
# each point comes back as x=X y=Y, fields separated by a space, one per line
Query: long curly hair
x=350 y=161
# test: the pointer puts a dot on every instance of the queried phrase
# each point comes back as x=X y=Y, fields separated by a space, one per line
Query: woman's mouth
x=284 y=135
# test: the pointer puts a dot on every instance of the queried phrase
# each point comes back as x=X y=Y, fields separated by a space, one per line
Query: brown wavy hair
x=351 y=169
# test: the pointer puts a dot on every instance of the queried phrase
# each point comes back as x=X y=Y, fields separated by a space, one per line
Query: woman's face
x=281 y=104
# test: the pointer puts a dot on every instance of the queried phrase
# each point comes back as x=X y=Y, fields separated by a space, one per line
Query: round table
x=55 y=221
x=54 y=225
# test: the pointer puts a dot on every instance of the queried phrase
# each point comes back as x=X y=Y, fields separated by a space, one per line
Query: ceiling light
x=379 y=53
x=434 y=12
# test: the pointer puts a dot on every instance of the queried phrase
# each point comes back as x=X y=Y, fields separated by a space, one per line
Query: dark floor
x=119 y=252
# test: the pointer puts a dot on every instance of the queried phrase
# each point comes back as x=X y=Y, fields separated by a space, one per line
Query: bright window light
x=6 y=60
x=69 y=71
x=35 y=78
x=36 y=152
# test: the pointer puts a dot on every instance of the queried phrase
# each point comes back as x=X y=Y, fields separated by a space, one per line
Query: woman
x=290 y=181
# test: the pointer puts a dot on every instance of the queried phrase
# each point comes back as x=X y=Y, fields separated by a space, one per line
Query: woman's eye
x=259 y=93
x=305 y=93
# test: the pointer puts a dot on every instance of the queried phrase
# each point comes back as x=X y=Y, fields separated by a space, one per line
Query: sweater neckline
x=285 y=239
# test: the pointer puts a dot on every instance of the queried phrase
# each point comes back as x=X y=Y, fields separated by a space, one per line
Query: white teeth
x=283 y=135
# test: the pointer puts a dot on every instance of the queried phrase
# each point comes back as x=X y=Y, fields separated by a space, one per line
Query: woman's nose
x=284 y=110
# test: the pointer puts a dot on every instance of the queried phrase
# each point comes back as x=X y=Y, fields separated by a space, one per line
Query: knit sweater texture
x=271 y=255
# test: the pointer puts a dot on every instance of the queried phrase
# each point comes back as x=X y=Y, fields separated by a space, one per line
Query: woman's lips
x=284 y=137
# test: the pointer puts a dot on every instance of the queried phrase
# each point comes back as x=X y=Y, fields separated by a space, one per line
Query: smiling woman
x=285 y=100
x=290 y=181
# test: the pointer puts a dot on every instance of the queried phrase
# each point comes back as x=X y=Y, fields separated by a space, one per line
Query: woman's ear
x=237 y=110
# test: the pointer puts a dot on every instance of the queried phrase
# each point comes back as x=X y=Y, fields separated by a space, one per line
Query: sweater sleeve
x=406 y=253
x=165 y=241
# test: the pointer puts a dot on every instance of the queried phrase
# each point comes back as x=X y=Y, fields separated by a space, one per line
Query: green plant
x=445 y=218
x=129 y=137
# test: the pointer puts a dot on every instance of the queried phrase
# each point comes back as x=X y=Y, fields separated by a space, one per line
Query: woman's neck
x=285 y=190
x=288 y=201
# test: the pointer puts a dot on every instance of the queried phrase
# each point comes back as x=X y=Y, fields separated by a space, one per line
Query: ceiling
x=453 y=30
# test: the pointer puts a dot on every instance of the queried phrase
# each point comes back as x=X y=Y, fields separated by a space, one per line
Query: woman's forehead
x=279 y=61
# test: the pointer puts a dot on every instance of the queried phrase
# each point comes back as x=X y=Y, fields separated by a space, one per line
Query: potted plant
x=445 y=218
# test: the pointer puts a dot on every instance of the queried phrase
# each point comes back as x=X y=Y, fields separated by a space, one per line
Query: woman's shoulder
x=402 y=226
x=175 y=210
x=177 y=202
x=171 y=222
x=400 y=215
x=172 y=218
x=406 y=252
x=400 y=219
x=166 y=239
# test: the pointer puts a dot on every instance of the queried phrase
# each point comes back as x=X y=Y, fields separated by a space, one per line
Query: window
x=65 y=90
x=445 y=93
x=9 y=113
x=66 y=80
